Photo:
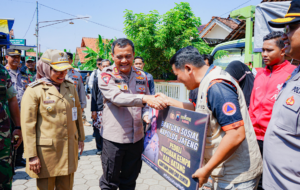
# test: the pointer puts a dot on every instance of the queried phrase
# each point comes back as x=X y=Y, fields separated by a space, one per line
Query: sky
x=109 y=14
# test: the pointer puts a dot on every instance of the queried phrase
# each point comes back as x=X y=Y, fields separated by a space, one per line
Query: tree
x=158 y=37
x=32 y=50
x=103 y=51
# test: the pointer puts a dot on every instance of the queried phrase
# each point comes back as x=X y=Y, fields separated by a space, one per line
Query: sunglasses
x=99 y=64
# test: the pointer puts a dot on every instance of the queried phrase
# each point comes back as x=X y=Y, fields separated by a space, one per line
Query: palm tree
x=103 y=49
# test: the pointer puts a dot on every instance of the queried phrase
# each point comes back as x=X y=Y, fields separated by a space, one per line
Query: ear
x=282 y=53
x=112 y=56
x=6 y=57
x=188 y=68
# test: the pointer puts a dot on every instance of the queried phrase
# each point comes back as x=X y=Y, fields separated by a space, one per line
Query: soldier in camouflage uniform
x=8 y=104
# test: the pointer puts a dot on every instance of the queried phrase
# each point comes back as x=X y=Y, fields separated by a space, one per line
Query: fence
x=173 y=89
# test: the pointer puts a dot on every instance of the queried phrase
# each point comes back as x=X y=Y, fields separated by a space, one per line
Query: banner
x=174 y=145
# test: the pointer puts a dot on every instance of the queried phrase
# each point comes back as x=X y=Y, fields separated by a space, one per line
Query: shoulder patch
x=105 y=77
x=229 y=108
x=35 y=83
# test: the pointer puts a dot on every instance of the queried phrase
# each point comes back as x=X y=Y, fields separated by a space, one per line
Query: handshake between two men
x=160 y=101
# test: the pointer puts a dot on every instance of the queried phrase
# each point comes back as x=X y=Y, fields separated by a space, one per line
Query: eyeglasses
x=291 y=27
x=287 y=29
x=99 y=64
x=15 y=56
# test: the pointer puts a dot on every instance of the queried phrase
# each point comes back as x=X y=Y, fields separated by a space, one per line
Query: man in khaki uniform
x=125 y=94
x=52 y=124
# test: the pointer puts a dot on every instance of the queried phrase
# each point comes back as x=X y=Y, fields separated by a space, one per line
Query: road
x=90 y=170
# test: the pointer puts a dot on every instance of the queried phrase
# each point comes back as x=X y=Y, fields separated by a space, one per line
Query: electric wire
x=83 y=19
x=30 y=23
x=236 y=8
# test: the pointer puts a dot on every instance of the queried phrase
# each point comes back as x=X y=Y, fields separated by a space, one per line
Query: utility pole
x=37 y=31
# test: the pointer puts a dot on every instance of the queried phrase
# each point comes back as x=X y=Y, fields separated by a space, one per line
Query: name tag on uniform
x=74 y=113
x=74 y=109
x=49 y=101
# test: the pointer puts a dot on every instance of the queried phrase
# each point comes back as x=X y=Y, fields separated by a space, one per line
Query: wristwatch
x=18 y=127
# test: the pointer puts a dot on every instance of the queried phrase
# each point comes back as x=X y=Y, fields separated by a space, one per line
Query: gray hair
x=104 y=60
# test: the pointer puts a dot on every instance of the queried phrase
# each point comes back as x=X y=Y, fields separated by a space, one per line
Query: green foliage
x=30 y=50
x=221 y=53
x=103 y=51
x=158 y=37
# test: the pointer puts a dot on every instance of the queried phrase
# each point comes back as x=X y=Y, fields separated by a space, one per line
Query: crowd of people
x=253 y=131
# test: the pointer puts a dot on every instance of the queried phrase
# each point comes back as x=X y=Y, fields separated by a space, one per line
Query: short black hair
x=99 y=59
x=104 y=60
x=185 y=55
x=70 y=55
x=276 y=35
x=122 y=42
x=139 y=57
x=209 y=58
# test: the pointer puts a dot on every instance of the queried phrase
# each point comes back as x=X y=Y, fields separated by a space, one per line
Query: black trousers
x=121 y=165
x=261 y=148
x=98 y=138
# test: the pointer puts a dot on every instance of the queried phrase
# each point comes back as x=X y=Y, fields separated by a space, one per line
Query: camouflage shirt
x=7 y=92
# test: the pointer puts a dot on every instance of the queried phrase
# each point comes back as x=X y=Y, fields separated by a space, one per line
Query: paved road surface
x=90 y=170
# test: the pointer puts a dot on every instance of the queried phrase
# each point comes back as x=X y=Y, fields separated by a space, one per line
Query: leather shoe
x=21 y=163
x=99 y=152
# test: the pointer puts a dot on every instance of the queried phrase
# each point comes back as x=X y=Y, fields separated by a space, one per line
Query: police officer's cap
x=12 y=52
x=292 y=16
x=57 y=59
x=70 y=55
x=29 y=58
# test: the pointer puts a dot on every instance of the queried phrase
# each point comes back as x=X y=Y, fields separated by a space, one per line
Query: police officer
x=139 y=63
x=125 y=94
x=76 y=78
x=20 y=81
x=52 y=124
x=29 y=68
x=8 y=109
x=281 y=151
x=97 y=108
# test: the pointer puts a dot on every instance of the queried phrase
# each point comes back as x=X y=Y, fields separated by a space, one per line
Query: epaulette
x=33 y=84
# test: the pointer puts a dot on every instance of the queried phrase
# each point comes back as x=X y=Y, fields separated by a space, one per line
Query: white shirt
x=91 y=81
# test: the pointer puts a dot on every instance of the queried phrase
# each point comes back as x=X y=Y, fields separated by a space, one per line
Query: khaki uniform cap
x=57 y=59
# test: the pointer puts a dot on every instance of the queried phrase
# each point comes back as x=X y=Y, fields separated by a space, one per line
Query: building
x=86 y=42
x=218 y=30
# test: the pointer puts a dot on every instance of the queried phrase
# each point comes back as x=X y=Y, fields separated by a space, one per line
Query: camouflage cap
x=57 y=59
x=29 y=58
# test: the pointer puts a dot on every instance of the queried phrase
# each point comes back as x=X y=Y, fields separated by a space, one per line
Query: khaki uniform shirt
x=48 y=129
x=76 y=78
x=123 y=109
